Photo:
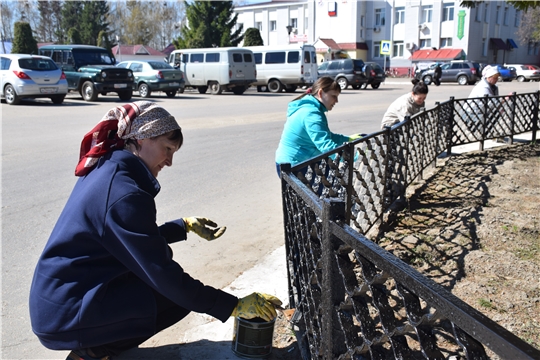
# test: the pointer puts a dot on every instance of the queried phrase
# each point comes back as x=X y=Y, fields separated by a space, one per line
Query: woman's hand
x=205 y=228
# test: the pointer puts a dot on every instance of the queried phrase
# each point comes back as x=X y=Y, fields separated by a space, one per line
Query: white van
x=284 y=67
x=217 y=69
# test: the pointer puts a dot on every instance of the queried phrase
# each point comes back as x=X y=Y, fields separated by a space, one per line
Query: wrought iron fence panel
x=354 y=300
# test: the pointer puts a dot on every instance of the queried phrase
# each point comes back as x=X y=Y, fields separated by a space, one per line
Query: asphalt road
x=224 y=171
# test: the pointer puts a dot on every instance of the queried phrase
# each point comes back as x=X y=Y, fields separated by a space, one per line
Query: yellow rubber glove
x=257 y=305
x=355 y=136
x=203 y=227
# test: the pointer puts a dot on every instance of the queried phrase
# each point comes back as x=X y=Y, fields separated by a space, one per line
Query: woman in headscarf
x=106 y=280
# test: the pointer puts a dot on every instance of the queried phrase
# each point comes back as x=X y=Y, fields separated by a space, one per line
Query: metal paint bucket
x=252 y=339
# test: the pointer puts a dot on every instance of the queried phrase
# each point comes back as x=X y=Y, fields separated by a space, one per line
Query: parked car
x=90 y=70
x=507 y=74
x=345 y=71
x=526 y=72
x=461 y=71
x=374 y=74
x=31 y=76
x=155 y=76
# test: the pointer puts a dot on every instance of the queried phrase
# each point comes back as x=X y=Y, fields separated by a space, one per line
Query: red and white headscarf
x=137 y=120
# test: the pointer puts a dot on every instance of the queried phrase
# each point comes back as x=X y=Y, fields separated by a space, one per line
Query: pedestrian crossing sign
x=385 y=47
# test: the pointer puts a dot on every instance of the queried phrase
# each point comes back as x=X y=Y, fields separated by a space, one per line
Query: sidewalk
x=210 y=339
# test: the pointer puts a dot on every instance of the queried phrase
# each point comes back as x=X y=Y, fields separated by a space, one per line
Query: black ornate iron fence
x=355 y=300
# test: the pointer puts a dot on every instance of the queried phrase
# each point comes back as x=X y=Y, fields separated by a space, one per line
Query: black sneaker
x=83 y=355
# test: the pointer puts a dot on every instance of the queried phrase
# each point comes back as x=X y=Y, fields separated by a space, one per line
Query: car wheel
x=58 y=99
x=521 y=78
x=275 y=86
x=364 y=86
x=125 y=95
x=88 y=92
x=427 y=79
x=170 y=94
x=181 y=90
x=202 y=89
x=11 y=96
x=500 y=78
x=462 y=80
x=355 y=87
x=290 y=88
x=144 y=90
x=215 y=88
x=343 y=83
x=238 y=90
x=375 y=85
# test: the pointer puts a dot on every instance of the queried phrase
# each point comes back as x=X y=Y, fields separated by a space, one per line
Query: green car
x=155 y=76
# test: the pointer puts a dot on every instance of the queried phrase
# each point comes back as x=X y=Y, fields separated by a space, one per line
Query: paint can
x=252 y=338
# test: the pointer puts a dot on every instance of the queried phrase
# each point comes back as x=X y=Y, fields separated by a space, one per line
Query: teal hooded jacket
x=306 y=133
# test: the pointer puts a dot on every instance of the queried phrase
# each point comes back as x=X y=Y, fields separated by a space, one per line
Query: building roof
x=169 y=49
x=325 y=44
x=442 y=54
x=135 y=50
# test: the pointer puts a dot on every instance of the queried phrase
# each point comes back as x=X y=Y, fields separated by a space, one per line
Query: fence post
x=513 y=121
x=333 y=291
x=449 y=128
x=535 y=116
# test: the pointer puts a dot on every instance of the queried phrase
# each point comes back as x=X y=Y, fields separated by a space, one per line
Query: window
x=273 y=25
x=334 y=65
x=398 y=49
x=306 y=22
x=456 y=66
x=212 y=57
x=248 y=58
x=427 y=12
x=294 y=22
x=362 y=20
x=400 y=15
x=377 y=50
x=497 y=20
x=505 y=16
x=293 y=57
x=275 y=58
x=258 y=25
x=237 y=58
x=446 y=42
x=478 y=16
x=486 y=12
x=532 y=48
x=484 y=47
x=517 y=18
x=307 y=57
x=5 y=64
x=379 y=17
x=258 y=58
x=195 y=58
x=448 y=12
x=425 y=43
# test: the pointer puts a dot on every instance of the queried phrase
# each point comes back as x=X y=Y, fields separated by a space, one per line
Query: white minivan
x=218 y=69
x=284 y=67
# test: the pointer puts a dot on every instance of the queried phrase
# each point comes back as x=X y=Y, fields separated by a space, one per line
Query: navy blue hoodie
x=93 y=283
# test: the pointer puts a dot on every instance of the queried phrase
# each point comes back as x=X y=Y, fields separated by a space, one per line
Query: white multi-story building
x=418 y=30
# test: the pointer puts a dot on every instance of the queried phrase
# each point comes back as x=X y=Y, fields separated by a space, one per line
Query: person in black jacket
x=106 y=280
x=437 y=73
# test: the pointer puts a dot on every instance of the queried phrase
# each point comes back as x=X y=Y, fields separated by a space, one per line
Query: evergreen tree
x=74 y=37
x=252 y=37
x=23 y=40
x=93 y=21
x=210 y=24
x=71 y=14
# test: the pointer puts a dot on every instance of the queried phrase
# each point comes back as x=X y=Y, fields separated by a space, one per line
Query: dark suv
x=90 y=70
x=345 y=71
x=461 y=71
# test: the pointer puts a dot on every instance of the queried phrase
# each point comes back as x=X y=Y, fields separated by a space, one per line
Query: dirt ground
x=474 y=227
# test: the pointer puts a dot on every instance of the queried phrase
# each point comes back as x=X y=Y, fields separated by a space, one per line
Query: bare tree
x=7 y=19
x=529 y=29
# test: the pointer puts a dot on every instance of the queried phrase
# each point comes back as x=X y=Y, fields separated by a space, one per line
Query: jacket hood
x=295 y=105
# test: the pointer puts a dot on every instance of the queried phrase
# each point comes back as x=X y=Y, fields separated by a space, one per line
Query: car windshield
x=159 y=65
x=91 y=57
x=37 y=64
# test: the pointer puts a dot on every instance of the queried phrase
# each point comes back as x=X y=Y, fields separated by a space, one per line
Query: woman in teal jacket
x=306 y=133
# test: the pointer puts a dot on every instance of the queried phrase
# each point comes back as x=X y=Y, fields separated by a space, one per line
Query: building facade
x=416 y=30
